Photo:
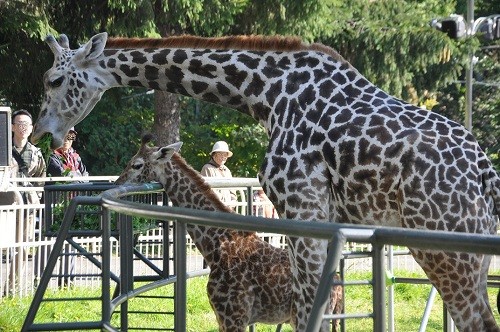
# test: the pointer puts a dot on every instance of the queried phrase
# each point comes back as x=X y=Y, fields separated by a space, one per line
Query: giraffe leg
x=460 y=280
x=306 y=257
x=484 y=279
x=232 y=303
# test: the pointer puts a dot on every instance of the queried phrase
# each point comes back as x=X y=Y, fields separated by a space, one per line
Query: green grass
x=410 y=301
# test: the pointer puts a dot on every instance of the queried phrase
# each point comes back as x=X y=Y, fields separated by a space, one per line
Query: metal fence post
x=378 y=288
x=323 y=292
x=180 y=283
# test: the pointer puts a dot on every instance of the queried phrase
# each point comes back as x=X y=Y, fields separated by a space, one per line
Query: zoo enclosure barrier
x=25 y=249
x=56 y=197
x=279 y=239
x=27 y=235
x=337 y=234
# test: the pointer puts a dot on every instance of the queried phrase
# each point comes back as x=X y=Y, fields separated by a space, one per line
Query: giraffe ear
x=168 y=151
x=93 y=48
x=175 y=146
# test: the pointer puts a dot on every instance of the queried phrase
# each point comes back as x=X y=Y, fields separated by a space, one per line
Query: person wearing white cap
x=216 y=168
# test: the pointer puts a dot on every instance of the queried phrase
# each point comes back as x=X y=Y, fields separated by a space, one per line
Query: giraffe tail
x=496 y=194
x=491 y=182
x=492 y=185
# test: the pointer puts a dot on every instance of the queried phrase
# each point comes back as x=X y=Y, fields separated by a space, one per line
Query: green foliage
x=110 y=135
x=390 y=42
x=306 y=18
x=400 y=53
x=20 y=57
x=203 y=124
x=88 y=217
x=44 y=145
x=200 y=17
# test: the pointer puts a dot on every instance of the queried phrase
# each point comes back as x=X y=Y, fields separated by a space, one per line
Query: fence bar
x=325 y=283
x=51 y=263
x=126 y=265
x=377 y=236
x=378 y=288
x=180 y=272
x=106 y=267
x=390 y=290
x=428 y=308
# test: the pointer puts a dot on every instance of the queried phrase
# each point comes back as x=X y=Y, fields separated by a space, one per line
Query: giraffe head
x=142 y=167
x=72 y=87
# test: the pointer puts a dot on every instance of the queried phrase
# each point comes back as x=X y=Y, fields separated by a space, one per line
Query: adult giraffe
x=340 y=148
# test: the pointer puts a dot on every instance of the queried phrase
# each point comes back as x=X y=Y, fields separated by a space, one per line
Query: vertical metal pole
x=428 y=308
x=469 y=71
x=180 y=272
x=449 y=325
x=342 y=277
x=106 y=267
x=390 y=290
x=166 y=249
x=126 y=265
x=325 y=283
x=249 y=201
x=378 y=288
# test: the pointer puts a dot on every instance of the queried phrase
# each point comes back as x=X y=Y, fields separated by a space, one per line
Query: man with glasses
x=29 y=158
x=30 y=163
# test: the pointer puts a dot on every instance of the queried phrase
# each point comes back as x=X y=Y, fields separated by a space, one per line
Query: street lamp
x=456 y=27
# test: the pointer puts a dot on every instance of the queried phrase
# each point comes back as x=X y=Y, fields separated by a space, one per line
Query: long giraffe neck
x=185 y=187
x=255 y=79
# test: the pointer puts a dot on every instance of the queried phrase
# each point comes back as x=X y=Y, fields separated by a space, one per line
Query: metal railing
x=25 y=249
x=337 y=234
x=246 y=186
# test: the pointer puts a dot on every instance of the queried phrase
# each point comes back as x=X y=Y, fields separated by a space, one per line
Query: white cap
x=221 y=146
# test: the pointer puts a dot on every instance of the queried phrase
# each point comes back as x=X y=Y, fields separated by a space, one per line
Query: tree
x=390 y=42
x=393 y=45
x=403 y=55
x=20 y=58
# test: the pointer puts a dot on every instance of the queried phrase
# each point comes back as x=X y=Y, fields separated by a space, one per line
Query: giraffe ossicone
x=250 y=280
x=340 y=148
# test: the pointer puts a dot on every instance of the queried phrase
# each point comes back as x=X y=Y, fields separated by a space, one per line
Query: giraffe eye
x=137 y=166
x=57 y=82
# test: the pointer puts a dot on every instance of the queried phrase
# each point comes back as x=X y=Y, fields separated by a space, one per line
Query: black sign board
x=5 y=137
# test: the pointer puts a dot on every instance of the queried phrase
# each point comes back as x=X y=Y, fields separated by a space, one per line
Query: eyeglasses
x=70 y=137
x=23 y=124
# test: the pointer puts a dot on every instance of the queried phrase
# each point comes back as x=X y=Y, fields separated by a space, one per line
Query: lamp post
x=469 y=72
x=455 y=27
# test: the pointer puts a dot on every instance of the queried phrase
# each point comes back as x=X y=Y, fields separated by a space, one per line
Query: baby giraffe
x=250 y=280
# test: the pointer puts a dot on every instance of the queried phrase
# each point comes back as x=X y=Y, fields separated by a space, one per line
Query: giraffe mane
x=243 y=42
x=203 y=186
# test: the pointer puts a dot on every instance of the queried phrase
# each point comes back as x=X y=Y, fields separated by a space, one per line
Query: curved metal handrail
x=338 y=233
x=424 y=239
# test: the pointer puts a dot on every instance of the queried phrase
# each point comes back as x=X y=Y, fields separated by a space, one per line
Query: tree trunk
x=167 y=120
